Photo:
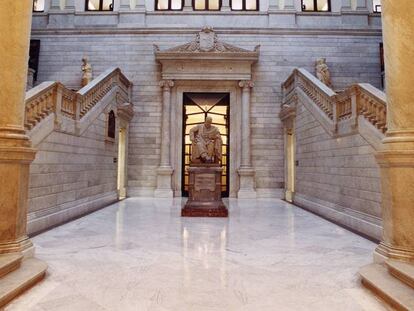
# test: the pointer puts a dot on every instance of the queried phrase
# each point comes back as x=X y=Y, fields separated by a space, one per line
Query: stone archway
x=206 y=64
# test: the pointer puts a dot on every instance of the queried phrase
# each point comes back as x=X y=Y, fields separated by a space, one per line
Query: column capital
x=246 y=84
x=166 y=84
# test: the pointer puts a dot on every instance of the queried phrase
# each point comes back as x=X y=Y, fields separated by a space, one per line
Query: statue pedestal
x=204 y=192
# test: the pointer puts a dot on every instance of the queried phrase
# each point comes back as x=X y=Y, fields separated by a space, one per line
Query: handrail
x=54 y=97
x=359 y=99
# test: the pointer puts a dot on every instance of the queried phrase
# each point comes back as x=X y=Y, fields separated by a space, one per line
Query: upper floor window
x=172 y=5
x=316 y=5
x=210 y=5
x=99 y=5
x=377 y=6
x=244 y=5
x=111 y=125
x=38 y=5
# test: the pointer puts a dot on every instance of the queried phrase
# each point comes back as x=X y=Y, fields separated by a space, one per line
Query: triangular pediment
x=206 y=42
x=206 y=57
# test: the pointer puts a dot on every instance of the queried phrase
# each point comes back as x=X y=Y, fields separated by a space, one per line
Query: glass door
x=197 y=106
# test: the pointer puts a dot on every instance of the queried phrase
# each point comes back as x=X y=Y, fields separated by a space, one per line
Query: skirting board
x=37 y=225
x=362 y=226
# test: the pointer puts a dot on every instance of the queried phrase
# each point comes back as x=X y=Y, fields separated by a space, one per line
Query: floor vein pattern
x=140 y=255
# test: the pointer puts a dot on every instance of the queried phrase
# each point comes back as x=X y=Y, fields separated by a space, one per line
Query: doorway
x=196 y=107
x=121 y=164
x=290 y=165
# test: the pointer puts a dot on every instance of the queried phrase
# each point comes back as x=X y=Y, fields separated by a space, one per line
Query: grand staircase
x=361 y=109
x=51 y=106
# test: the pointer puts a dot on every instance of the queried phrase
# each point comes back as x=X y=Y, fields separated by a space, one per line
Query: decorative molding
x=206 y=43
x=166 y=84
x=206 y=58
x=246 y=84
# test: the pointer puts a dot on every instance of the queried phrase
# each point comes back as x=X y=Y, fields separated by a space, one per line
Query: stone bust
x=206 y=143
x=322 y=72
x=86 y=72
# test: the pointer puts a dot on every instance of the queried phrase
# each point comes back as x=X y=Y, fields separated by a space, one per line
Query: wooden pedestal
x=205 y=192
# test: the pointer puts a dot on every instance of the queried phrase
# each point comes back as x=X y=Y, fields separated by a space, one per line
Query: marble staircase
x=392 y=281
x=18 y=274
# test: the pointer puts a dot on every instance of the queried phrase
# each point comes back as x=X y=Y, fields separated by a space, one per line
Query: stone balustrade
x=359 y=99
x=54 y=97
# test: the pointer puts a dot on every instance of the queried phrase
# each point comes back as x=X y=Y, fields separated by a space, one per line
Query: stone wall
x=71 y=176
x=352 y=57
x=337 y=178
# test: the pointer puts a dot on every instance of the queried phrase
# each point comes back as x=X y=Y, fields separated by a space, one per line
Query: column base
x=24 y=246
x=396 y=163
x=384 y=252
x=247 y=189
x=164 y=179
x=14 y=163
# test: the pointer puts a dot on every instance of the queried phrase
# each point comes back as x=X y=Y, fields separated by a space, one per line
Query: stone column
x=397 y=158
x=16 y=152
x=164 y=172
x=246 y=171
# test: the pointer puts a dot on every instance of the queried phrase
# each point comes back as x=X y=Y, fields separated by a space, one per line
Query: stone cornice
x=207 y=46
x=175 y=30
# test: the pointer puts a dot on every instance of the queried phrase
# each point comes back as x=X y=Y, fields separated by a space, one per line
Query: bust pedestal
x=204 y=192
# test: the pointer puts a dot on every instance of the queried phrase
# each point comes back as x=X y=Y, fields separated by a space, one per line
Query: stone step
x=9 y=263
x=402 y=270
x=394 y=292
x=15 y=283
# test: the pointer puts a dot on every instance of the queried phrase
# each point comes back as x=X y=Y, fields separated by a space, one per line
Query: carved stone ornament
x=206 y=41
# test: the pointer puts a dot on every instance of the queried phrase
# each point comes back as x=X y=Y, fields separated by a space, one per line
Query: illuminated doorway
x=196 y=107
x=290 y=165
x=122 y=164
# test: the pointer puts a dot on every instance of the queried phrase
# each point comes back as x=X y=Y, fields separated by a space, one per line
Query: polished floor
x=140 y=255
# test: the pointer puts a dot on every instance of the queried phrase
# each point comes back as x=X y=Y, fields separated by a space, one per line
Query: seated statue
x=206 y=143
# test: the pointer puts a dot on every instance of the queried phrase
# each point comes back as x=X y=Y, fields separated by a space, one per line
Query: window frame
x=111 y=126
x=38 y=11
x=207 y=2
x=376 y=8
x=169 y=6
x=100 y=7
x=315 y=6
x=244 y=6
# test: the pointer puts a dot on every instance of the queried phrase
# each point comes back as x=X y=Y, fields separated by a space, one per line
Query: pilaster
x=282 y=12
x=131 y=13
x=246 y=171
x=165 y=171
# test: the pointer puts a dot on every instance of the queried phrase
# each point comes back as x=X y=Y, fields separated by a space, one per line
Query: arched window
x=316 y=5
x=111 y=124
x=169 y=5
x=99 y=5
x=244 y=5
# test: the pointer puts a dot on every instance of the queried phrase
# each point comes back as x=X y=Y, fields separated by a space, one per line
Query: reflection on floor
x=140 y=255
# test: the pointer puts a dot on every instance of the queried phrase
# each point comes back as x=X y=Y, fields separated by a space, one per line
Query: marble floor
x=140 y=255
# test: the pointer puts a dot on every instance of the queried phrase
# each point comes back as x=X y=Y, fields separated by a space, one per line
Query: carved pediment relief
x=207 y=41
x=208 y=58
